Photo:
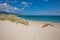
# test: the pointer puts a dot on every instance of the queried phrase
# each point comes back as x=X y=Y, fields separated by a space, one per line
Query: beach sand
x=12 y=31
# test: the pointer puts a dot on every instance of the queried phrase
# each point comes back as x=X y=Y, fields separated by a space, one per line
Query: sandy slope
x=13 y=31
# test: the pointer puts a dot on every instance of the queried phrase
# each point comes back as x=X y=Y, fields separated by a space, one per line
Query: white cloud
x=26 y=4
x=8 y=8
x=5 y=4
x=15 y=8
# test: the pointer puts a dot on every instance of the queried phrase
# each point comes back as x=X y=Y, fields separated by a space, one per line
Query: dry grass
x=48 y=24
x=13 y=18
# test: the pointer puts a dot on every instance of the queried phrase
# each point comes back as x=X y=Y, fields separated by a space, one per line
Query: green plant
x=13 y=18
x=47 y=24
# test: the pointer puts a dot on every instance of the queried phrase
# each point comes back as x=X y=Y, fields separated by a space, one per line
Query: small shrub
x=47 y=24
x=13 y=18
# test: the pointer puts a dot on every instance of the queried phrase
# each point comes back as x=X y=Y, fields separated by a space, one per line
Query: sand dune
x=12 y=31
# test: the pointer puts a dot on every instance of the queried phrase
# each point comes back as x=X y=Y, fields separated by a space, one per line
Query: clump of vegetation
x=13 y=18
x=48 y=24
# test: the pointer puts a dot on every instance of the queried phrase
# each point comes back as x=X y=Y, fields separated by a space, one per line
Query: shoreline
x=37 y=23
x=43 y=21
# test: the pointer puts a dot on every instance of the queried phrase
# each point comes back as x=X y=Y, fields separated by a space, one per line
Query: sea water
x=42 y=18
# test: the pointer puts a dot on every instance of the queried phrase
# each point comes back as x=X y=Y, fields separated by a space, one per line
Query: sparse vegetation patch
x=13 y=18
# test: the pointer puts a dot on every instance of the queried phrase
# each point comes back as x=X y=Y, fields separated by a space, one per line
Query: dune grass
x=48 y=24
x=13 y=18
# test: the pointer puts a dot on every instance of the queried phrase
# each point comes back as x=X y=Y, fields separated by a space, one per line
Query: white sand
x=13 y=31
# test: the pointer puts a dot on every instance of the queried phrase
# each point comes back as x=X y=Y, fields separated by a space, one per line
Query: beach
x=35 y=31
x=29 y=19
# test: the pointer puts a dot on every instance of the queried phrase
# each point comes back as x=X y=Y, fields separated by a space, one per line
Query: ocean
x=42 y=18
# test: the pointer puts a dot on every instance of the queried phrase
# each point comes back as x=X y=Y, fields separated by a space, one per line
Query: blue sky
x=31 y=7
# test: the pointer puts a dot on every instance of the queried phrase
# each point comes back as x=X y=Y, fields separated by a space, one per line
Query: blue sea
x=43 y=18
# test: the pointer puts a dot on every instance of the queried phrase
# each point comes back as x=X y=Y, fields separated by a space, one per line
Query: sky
x=31 y=7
